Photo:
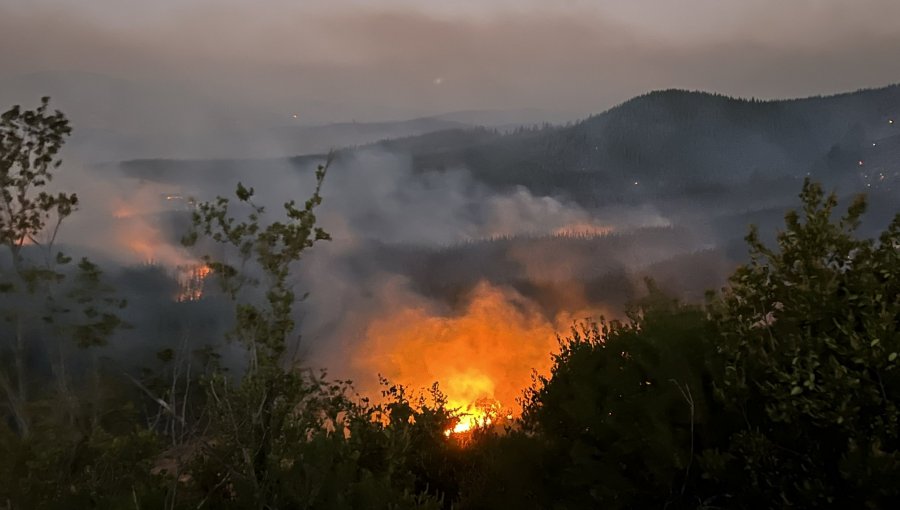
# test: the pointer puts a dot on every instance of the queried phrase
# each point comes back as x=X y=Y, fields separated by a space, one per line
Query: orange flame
x=191 y=282
x=482 y=358
x=136 y=230
x=583 y=229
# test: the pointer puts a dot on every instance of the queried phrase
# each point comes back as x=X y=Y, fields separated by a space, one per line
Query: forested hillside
x=658 y=145
x=676 y=141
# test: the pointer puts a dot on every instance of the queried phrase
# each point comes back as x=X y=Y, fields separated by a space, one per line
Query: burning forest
x=481 y=357
x=481 y=350
x=399 y=325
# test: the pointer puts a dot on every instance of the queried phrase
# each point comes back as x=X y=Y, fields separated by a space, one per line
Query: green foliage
x=438 y=465
x=30 y=141
x=281 y=437
x=42 y=298
x=782 y=392
x=272 y=249
x=55 y=469
x=624 y=409
x=188 y=434
x=808 y=334
x=97 y=306
x=321 y=449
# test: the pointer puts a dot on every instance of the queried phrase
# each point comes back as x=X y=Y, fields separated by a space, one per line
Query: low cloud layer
x=390 y=58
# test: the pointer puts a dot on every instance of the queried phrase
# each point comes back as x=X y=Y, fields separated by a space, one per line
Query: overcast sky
x=386 y=58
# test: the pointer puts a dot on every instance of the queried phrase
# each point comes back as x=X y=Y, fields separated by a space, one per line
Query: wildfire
x=191 y=281
x=144 y=242
x=484 y=412
x=482 y=357
x=138 y=231
x=583 y=229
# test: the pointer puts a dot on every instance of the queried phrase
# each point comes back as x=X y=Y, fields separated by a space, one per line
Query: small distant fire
x=191 y=281
x=144 y=241
x=137 y=229
x=585 y=230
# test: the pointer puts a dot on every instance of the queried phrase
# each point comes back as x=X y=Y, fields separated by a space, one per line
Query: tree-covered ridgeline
x=781 y=390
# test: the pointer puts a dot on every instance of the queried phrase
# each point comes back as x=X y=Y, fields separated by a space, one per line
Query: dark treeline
x=781 y=390
x=601 y=266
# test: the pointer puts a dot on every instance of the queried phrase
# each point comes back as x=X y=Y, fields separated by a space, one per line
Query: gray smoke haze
x=233 y=78
x=381 y=215
x=258 y=63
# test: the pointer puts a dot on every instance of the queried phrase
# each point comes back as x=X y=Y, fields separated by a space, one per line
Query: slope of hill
x=674 y=140
x=657 y=146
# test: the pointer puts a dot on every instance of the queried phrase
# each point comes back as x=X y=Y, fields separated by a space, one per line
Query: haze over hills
x=661 y=142
x=661 y=137
x=669 y=140
x=117 y=119
x=677 y=176
x=569 y=218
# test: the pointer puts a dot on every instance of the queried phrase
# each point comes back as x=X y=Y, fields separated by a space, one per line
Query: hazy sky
x=387 y=58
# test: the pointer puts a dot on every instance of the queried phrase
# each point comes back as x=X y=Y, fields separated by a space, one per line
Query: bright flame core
x=482 y=413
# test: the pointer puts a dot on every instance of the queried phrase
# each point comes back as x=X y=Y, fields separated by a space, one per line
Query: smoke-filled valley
x=538 y=225
x=420 y=255
x=459 y=254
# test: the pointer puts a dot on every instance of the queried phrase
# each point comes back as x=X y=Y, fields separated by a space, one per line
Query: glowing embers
x=191 y=279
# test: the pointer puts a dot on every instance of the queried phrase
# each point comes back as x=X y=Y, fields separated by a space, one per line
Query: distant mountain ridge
x=664 y=142
x=675 y=139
